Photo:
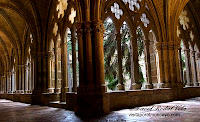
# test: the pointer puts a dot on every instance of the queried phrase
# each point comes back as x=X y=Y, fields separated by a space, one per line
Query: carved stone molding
x=87 y=27
x=98 y=27
x=79 y=27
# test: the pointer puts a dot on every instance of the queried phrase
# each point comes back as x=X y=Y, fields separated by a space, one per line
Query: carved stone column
x=198 y=65
x=56 y=68
x=26 y=78
x=8 y=82
x=20 y=78
x=180 y=65
x=79 y=27
x=159 y=64
x=134 y=64
x=93 y=93
x=88 y=52
x=64 y=84
x=73 y=32
x=29 y=78
x=12 y=81
x=167 y=83
x=119 y=52
x=188 y=67
x=193 y=60
x=172 y=61
x=149 y=84
x=49 y=71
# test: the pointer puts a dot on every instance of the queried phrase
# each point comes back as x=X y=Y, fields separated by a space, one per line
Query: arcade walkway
x=177 y=111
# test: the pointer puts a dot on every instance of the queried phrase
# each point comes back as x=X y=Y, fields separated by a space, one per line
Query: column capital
x=98 y=27
x=147 y=42
x=158 y=46
x=50 y=55
x=165 y=45
x=87 y=27
x=79 y=27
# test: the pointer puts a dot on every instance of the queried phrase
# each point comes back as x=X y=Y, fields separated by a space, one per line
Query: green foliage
x=110 y=53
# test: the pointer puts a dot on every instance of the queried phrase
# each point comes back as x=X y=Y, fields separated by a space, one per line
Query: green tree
x=110 y=53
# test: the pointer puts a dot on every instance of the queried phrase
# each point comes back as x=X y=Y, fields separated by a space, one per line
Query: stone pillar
x=29 y=78
x=198 y=65
x=20 y=78
x=193 y=60
x=13 y=81
x=64 y=83
x=119 y=52
x=172 y=61
x=134 y=64
x=180 y=65
x=73 y=32
x=159 y=64
x=49 y=71
x=188 y=67
x=79 y=27
x=26 y=68
x=32 y=74
x=92 y=93
x=0 y=83
x=56 y=67
x=88 y=53
x=149 y=84
x=167 y=83
x=23 y=80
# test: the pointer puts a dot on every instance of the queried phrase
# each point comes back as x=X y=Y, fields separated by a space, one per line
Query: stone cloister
x=52 y=52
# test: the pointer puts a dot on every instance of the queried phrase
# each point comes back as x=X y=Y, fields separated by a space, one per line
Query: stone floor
x=177 y=111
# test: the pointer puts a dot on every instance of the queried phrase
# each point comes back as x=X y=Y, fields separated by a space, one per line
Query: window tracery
x=116 y=10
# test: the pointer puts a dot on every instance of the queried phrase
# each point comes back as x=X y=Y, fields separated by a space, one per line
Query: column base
x=180 y=85
x=92 y=101
x=148 y=86
x=196 y=84
x=136 y=86
x=174 y=85
x=167 y=85
x=50 y=90
x=74 y=89
x=189 y=84
x=57 y=90
x=120 y=87
x=63 y=94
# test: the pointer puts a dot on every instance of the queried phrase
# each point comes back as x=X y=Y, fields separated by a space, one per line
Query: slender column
x=134 y=64
x=193 y=60
x=98 y=30
x=198 y=65
x=188 y=67
x=26 y=78
x=64 y=87
x=29 y=78
x=56 y=68
x=180 y=65
x=149 y=84
x=9 y=82
x=167 y=83
x=32 y=74
x=13 y=81
x=119 y=51
x=88 y=52
x=49 y=69
x=172 y=61
x=159 y=64
x=0 y=83
x=23 y=76
x=79 y=27
x=73 y=32
x=20 y=78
